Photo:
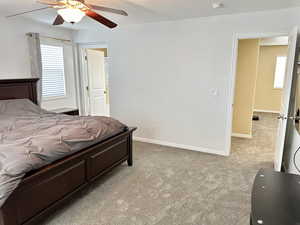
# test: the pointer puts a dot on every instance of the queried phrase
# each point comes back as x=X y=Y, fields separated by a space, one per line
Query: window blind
x=53 y=81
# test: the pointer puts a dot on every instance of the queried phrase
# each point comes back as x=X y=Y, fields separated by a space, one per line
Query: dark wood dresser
x=74 y=112
x=67 y=111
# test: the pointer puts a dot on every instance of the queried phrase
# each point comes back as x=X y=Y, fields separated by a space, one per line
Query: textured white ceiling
x=143 y=11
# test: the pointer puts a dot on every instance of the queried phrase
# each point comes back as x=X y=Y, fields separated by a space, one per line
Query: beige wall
x=267 y=98
x=247 y=64
x=103 y=50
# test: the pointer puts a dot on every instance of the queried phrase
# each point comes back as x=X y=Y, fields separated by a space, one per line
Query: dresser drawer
x=100 y=161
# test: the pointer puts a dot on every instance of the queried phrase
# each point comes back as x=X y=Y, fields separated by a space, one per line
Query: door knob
x=281 y=117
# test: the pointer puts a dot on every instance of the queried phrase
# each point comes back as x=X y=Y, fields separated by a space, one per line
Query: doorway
x=95 y=78
x=262 y=90
x=259 y=82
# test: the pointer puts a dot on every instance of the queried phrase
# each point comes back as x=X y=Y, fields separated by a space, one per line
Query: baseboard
x=265 y=111
x=176 y=145
x=249 y=136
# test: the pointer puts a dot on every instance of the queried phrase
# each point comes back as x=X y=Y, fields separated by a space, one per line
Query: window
x=280 y=71
x=53 y=82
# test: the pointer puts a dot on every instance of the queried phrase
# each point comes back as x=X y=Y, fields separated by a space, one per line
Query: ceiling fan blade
x=106 y=9
x=100 y=19
x=30 y=11
x=58 y=20
x=49 y=2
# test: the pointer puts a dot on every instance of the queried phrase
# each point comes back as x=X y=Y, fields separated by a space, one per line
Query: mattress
x=31 y=138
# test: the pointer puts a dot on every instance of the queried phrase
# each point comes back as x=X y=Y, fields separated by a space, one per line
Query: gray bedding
x=31 y=137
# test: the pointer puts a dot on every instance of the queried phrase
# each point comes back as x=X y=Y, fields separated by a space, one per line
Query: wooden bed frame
x=44 y=190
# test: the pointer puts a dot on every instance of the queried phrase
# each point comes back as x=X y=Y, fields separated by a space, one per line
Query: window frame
x=57 y=44
x=274 y=77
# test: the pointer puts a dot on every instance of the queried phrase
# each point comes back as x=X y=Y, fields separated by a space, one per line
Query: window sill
x=48 y=99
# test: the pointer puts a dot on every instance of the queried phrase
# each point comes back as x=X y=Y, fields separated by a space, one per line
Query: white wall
x=14 y=56
x=163 y=75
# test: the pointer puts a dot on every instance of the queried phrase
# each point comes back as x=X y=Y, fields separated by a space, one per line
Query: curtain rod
x=53 y=38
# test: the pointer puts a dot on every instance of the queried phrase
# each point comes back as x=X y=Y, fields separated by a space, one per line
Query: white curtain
x=36 y=61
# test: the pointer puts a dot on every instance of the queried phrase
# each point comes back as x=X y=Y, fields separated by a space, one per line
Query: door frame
x=236 y=38
x=83 y=74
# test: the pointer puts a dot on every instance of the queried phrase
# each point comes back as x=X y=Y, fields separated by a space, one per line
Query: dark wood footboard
x=44 y=190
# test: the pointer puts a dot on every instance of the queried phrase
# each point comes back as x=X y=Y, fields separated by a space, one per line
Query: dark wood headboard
x=18 y=89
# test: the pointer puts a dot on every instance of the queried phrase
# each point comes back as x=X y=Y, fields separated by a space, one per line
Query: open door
x=97 y=92
x=285 y=111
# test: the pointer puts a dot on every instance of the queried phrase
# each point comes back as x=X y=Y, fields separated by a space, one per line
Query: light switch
x=214 y=92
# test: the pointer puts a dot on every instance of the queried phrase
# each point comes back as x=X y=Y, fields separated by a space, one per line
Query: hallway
x=261 y=146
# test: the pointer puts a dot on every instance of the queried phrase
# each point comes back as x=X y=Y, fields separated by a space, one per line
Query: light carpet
x=169 y=186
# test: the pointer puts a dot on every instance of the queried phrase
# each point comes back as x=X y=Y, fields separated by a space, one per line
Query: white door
x=97 y=92
x=291 y=73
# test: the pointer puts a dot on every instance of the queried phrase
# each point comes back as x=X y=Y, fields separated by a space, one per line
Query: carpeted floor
x=169 y=186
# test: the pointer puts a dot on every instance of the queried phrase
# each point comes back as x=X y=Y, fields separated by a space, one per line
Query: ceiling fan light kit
x=71 y=15
x=72 y=11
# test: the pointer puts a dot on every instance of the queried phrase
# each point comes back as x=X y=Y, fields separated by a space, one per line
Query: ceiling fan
x=73 y=11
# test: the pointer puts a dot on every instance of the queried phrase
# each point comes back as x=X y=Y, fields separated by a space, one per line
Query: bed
x=43 y=190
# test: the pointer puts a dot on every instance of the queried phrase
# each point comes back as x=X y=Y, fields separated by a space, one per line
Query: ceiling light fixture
x=71 y=15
